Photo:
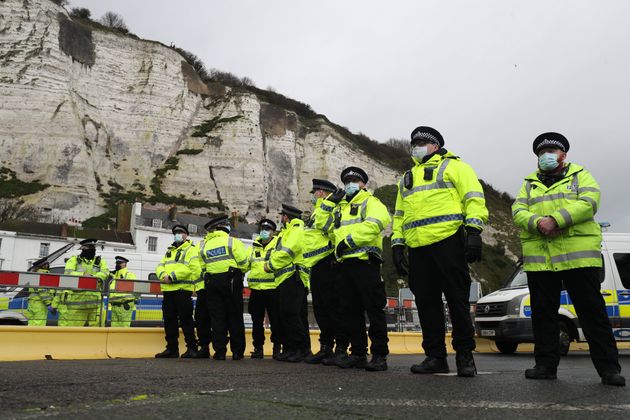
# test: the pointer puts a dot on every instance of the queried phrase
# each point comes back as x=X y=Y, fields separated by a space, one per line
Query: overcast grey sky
x=490 y=75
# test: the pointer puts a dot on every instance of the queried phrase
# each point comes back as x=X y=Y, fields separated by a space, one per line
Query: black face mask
x=118 y=267
x=88 y=254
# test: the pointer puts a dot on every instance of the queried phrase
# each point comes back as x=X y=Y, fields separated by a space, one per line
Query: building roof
x=65 y=231
x=241 y=230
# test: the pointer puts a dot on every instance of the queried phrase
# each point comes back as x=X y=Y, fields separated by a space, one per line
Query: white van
x=505 y=315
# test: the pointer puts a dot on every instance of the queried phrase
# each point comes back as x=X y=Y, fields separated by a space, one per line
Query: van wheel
x=506 y=347
x=565 y=338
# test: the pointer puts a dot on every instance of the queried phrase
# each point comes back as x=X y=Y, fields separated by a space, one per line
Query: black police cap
x=180 y=228
x=552 y=140
x=322 y=184
x=118 y=258
x=353 y=171
x=290 y=211
x=217 y=221
x=424 y=133
x=88 y=242
x=268 y=224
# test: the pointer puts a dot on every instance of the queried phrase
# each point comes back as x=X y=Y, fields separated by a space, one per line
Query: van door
x=621 y=269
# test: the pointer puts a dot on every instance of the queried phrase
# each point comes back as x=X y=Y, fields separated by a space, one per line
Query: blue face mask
x=419 y=152
x=178 y=238
x=352 y=188
x=265 y=234
x=548 y=161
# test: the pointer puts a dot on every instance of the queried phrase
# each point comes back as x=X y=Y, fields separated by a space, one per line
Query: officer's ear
x=562 y=156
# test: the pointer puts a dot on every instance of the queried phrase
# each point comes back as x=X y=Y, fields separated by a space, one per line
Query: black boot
x=324 y=352
x=203 y=353
x=277 y=349
x=189 y=354
x=257 y=353
x=614 y=379
x=541 y=372
x=465 y=364
x=335 y=358
x=167 y=354
x=431 y=365
x=299 y=355
x=219 y=356
x=377 y=364
x=237 y=356
x=352 y=361
x=284 y=355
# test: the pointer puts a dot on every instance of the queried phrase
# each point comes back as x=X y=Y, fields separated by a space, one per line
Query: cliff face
x=99 y=116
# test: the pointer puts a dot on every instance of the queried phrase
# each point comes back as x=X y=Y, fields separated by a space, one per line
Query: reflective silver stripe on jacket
x=552 y=197
x=399 y=213
x=398 y=241
x=592 y=202
x=351 y=241
x=433 y=220
x=254 y=280
x=566 y=216
x=473 y=194
x=304 y=270
x=530 y=223
x=534 y=259
x=474 y=221
x=572 y=256
x=368 y=249
x=438 y=184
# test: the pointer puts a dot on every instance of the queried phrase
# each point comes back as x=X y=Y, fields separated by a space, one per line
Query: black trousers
x=202 y=319
x=259 y=302
x=583 y=286
x=225 y=302
x=177 y=310
x=435 y=269
x=291 y=332
x=325 y=278
x=304 y=316
x=363 y=291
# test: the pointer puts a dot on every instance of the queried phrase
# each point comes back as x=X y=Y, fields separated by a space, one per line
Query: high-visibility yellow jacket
x=121 y=297
x=358 y=223
x=84 y=299
x=181 y=263
x=287 y=253
x=219 y=252
x=445 y=194
x=572 y=202
x=44 y=296
x=317 y=242
x=258 y=278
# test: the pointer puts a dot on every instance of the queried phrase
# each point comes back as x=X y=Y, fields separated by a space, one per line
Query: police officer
x=224 y=259
x=263 y=289
x=562 y=245
x=122 y=303
x=440 y=213
x=40 y=300
x=291 y=289
x=359 y=220
x=178 y=271
x=318 y=257
x=78 y=308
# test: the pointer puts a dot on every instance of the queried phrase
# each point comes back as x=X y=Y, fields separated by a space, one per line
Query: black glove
x=473 y=245
x=340 y=248
x=126 y=306
x=337 y=196
x=400 y=261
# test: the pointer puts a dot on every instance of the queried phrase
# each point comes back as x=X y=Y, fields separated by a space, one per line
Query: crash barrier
x=70 y=343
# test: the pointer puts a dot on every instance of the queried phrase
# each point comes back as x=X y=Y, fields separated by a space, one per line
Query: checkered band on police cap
x=424 y=133
x=550 y=140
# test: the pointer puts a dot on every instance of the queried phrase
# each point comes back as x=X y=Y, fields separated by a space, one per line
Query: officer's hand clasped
x=400 y=261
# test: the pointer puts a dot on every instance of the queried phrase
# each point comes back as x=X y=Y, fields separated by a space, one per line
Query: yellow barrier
x=37 y=343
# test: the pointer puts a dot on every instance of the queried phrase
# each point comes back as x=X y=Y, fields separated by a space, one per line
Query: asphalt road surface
x=181 y=388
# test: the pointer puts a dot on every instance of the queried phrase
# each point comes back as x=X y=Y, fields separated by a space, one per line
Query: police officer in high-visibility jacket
x=318 y=257
x=263 y=288
x=122 y=303
x=40 y=300
x=224 y=259
x=359 y=221
x=562 y=246
x=178 y=271
x=78 y=308
x=440 y=213
x=291 y=289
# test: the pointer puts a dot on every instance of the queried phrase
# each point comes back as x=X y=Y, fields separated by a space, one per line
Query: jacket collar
x=572 y=169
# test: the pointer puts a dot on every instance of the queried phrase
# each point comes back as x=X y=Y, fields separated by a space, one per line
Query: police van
x=505 y=315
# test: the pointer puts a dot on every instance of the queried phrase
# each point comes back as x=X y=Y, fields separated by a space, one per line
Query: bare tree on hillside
x=80 y=13
x=400 y=144
x=11 y=209
x=114 y=21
